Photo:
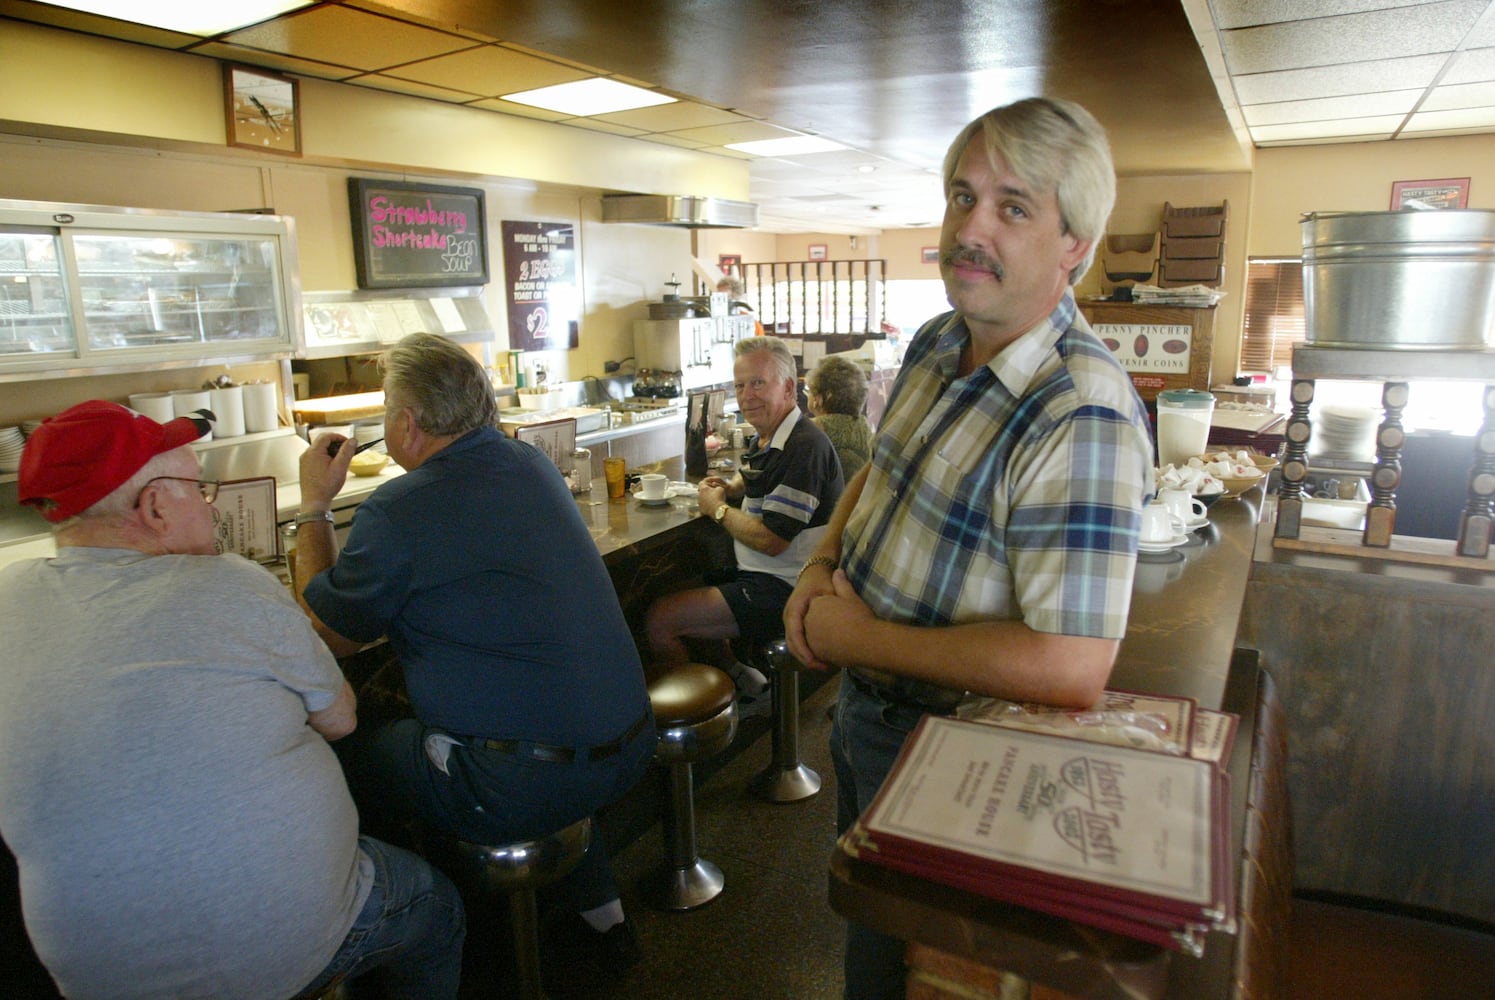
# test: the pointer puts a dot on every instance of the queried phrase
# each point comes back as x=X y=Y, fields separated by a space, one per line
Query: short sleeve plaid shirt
x=1013 y=493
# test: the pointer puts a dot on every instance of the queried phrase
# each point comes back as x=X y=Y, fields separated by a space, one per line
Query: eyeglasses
x=207 y=487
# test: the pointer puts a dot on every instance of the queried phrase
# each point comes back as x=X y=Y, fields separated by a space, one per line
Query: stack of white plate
x=1345 y=432
x=11 y=443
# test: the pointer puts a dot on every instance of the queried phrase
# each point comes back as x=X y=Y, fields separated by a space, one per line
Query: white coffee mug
x=651 y=486
x=1159 y=525
x=1182 y=505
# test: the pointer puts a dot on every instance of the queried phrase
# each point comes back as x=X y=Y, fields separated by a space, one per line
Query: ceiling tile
x=1348 y=130
x=745 y=130
x=1460 y=118
x=349 y=37
x=488 y=70
x=95 y=24
x=670 y=139
x=522 y=110
x=1483 y=34
x=380 y=82
x=1464 y=95
x=673 y=117
x=1338 y=81
x=597 y=125
x=1246 y=13
x=1471 y=66
x=273 y=60
x=1384 y=34
x=1396 y=102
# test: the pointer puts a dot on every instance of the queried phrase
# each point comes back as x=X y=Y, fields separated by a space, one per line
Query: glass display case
x=86 y=288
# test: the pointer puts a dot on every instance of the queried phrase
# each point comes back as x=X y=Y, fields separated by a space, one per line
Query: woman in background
x=837 y=393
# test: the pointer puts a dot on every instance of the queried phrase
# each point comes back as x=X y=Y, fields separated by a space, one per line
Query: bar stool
x=785 y=779
x=516 y=870
x=695 y=714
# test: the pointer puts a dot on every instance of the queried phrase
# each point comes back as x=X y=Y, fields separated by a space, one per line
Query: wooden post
x=1380 y=516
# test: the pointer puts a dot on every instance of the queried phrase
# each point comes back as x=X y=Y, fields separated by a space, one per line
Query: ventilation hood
x=679 y=210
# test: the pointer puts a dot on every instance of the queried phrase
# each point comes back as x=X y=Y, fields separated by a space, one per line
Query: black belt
x=921 y=695
x=565 y=755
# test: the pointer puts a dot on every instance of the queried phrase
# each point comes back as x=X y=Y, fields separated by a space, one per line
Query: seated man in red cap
x=181 y=826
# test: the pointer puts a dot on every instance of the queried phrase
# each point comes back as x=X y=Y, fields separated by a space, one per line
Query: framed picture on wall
x=929 y=255
x=1448 y=192
x=730 y=264
x=817 y=251
x=262 y=110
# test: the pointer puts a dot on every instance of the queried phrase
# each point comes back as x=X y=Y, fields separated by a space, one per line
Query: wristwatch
x=720 y=514
x=313 y=517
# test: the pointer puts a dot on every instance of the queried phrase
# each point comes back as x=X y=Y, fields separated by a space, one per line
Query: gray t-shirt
x=180 y=830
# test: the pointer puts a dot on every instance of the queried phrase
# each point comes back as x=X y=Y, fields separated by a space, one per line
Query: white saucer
x=661 y=502
x=1162 y=546
x=1196 y=525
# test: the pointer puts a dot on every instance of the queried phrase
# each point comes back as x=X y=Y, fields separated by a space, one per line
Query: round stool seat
x=529 y=864
x=689 y=693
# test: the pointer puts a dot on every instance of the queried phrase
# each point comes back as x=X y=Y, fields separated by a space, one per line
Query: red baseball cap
x=77 y=458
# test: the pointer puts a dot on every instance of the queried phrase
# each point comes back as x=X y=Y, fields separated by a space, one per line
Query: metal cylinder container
x=1408 y=280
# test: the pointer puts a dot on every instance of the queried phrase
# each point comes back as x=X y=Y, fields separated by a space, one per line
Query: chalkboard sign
x=417 y=235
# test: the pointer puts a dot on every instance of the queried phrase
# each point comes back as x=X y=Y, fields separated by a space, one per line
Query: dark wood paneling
x=1390 y=696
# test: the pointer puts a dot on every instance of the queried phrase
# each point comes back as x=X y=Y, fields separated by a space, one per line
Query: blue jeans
x=492 y=797
x=410 y=928
x=868 y=732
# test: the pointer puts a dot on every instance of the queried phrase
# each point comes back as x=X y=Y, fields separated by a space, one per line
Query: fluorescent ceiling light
x=793 y=145
x=590 y=97
x=194 y=17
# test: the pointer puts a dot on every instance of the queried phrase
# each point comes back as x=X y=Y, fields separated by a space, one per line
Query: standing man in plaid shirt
x=989 y=545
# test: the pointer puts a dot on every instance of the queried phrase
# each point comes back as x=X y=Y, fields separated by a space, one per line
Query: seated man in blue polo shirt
x=788 y=485
x=528 y=694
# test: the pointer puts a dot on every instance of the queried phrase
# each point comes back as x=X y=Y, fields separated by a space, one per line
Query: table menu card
x=1129 y=840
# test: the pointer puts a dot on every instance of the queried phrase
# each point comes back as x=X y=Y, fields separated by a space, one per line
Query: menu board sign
x=540 y=275
x=417 y=235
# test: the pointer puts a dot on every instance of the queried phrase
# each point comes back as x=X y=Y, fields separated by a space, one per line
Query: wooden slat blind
x=1274 y=313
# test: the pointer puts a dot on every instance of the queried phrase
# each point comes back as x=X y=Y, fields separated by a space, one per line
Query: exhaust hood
x=679 y=210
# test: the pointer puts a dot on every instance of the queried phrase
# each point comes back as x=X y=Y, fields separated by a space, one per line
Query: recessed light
x=866 y=168
x=590 y=97
x=192 y=17
x=793 y=145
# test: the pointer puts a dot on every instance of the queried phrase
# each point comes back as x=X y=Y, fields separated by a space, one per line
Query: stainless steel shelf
x=1384 y=365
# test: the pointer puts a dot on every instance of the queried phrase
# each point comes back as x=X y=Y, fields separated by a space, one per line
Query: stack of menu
x=1130 y=840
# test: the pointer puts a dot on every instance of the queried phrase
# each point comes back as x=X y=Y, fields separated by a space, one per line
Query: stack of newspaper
x=1198 y=296
x=1021 y=808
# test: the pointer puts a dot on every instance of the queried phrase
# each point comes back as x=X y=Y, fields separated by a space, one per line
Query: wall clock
x=262 y=110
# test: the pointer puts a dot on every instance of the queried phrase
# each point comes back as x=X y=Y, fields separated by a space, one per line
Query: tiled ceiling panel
x=894 y=80
x=488 y=70
x=348 y=37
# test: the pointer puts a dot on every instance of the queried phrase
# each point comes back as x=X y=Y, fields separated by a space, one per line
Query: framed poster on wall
x=540 y=282
x=417 y=235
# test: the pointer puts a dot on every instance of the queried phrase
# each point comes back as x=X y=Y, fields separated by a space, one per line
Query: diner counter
x=1187 y=604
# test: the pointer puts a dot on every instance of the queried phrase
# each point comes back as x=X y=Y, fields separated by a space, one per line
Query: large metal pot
x=1399 y=280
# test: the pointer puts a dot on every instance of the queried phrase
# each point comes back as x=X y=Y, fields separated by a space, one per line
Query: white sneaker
x=749 y=680
x=751 y=707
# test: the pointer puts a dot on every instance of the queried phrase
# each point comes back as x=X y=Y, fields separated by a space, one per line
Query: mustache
x=973 y=258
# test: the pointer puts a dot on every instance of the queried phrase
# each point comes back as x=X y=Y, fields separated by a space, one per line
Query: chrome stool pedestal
x=695 y=715
x=516 y=870
x=785 y=779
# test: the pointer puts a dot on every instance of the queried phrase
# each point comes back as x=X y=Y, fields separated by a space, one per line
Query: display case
x=93 y=289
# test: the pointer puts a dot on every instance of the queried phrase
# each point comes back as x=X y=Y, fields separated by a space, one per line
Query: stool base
x=776 y=784
x=682 y=889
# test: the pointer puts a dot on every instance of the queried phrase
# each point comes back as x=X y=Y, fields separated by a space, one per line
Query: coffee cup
x=1159 y=526
x=651 y=486
x=1182 y=505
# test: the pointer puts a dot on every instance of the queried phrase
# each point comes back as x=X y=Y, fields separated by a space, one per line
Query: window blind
x=1274 y=313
